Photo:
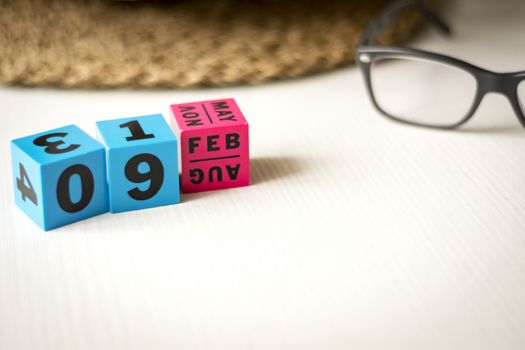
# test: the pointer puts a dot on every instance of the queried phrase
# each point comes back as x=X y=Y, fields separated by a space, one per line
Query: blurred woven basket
x=180 y=43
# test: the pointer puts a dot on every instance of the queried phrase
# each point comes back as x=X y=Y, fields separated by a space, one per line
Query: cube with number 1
x=142 y=162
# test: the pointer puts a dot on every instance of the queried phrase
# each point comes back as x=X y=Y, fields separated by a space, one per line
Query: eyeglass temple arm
x=392 y=12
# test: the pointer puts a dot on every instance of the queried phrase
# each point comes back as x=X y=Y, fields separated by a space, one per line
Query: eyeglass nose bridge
x=501 y=83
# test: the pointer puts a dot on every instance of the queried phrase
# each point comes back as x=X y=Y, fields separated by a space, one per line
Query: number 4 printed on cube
x=59 y=176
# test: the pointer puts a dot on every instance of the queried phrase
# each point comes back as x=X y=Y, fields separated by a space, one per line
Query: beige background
x=358 y=233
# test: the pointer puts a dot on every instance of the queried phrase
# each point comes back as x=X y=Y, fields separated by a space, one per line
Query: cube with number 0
x=59 y=176
x=142 y=162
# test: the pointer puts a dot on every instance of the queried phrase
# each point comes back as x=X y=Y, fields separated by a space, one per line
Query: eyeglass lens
x=423 y=91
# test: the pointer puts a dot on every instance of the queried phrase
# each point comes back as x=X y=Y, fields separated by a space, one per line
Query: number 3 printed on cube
x=59 y=176
x=142 y=162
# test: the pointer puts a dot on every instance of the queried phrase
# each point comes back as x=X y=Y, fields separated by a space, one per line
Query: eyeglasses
x=424 y=88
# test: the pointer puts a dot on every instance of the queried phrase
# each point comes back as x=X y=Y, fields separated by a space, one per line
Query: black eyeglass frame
x=486 y=81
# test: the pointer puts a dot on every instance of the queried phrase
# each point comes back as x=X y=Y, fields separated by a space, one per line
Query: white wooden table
x=357 y=233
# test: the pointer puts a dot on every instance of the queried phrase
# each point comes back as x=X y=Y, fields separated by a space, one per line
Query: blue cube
x=142 y=162
x=59 y=176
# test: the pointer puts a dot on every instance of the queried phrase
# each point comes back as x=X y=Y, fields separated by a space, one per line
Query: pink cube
x=213 y=137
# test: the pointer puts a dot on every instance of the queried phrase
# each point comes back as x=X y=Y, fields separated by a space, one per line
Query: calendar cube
x=59 y=176
x=214 y=145
x=142 y=162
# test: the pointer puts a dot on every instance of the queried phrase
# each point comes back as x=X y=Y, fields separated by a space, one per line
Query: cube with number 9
x=59 y=176
x=142 y=162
